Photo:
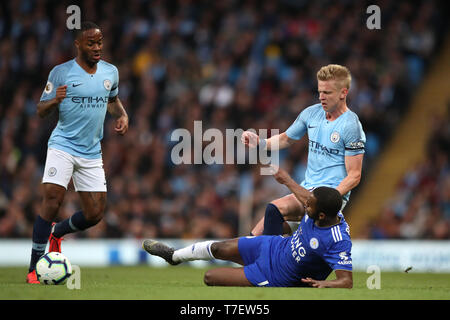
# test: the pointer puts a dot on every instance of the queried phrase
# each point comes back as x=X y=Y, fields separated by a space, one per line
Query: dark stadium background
x=230 y=64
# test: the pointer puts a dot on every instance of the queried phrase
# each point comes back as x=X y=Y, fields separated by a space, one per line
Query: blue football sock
x=273 y=221
x=41 y=232
x=77 y=222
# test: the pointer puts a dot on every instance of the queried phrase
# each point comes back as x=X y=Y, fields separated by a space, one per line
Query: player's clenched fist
x=61 y=93
x=250 y=139
x=121 y=125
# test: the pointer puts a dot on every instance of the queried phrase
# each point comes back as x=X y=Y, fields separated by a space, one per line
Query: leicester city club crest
x=314 y=243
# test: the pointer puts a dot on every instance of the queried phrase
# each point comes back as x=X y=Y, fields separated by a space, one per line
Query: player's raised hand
x=121 y=125
x=250 y=139
x=279 y=174
x=61 y=93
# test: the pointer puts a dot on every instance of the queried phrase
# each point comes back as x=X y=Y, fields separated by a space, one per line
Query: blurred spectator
x=231 y=64
x=420 y=208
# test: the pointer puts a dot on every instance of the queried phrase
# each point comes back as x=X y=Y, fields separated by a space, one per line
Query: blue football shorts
x=254 y=252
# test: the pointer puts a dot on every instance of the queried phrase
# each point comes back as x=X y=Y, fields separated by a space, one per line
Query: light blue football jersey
x=82 y=113
x=329 y=143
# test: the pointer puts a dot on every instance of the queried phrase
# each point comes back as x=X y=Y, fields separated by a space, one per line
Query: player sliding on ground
x=320 y=245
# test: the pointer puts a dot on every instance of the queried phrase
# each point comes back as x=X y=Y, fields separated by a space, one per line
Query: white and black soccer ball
x=53 y=268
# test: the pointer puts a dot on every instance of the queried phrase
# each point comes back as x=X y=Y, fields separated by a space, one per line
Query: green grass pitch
x=186 y=283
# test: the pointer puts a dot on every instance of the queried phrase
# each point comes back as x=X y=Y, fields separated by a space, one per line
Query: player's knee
x=208 y=279
x=288 y=206
x=281 y=206
x=221 y=250
x=52 y=203
x=217 y=249
x=213 y=277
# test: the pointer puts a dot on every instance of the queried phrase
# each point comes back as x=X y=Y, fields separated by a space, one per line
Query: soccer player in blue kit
x=320 y=245
x=81 y=90
x=336 y=147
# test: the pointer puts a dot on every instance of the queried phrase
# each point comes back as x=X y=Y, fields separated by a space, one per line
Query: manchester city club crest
x=335 y=137
x=52 y=171
x=107 y=84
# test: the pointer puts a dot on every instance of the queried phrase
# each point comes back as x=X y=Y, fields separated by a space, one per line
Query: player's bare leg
x=226 y=277
x=226 y=250
x=204 y=250
x=290 y=208
x=93 y=204
x=53 y=198
x=259 y=228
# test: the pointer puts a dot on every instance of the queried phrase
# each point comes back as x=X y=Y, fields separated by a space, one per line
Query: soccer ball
x=53 y=268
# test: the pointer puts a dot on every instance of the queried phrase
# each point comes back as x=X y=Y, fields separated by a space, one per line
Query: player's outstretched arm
x=344 y=279
x=276 y=142
x=44 y=108
x=116 y=109
x=284 y=178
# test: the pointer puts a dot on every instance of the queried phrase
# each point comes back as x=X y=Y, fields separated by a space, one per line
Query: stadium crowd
x=230 y=64
x=420 y=208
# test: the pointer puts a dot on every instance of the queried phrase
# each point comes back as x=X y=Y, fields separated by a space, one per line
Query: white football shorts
x=88 y=174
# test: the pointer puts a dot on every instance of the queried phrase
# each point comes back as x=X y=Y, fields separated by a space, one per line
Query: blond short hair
x=335 y=72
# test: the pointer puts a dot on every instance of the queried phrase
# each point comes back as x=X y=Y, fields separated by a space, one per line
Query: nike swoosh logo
x=76 y=85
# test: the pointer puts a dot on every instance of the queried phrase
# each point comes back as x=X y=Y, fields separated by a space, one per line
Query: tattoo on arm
x=115 y=107
x=113 y=99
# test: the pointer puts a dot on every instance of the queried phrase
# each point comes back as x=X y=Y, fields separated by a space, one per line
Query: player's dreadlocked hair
x=85 y=25
x=329 y=200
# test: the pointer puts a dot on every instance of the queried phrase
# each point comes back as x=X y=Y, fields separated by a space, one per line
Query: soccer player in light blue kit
x=82 y=90
x=336 y=147
x=320 y=245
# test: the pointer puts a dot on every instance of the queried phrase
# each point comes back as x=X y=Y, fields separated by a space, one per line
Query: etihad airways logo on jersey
x=91 y=102
x=319 y=148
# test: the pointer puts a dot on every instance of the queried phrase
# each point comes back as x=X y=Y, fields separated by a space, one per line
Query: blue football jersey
x=82 y=113
x=329 y=143
x=311 y=251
